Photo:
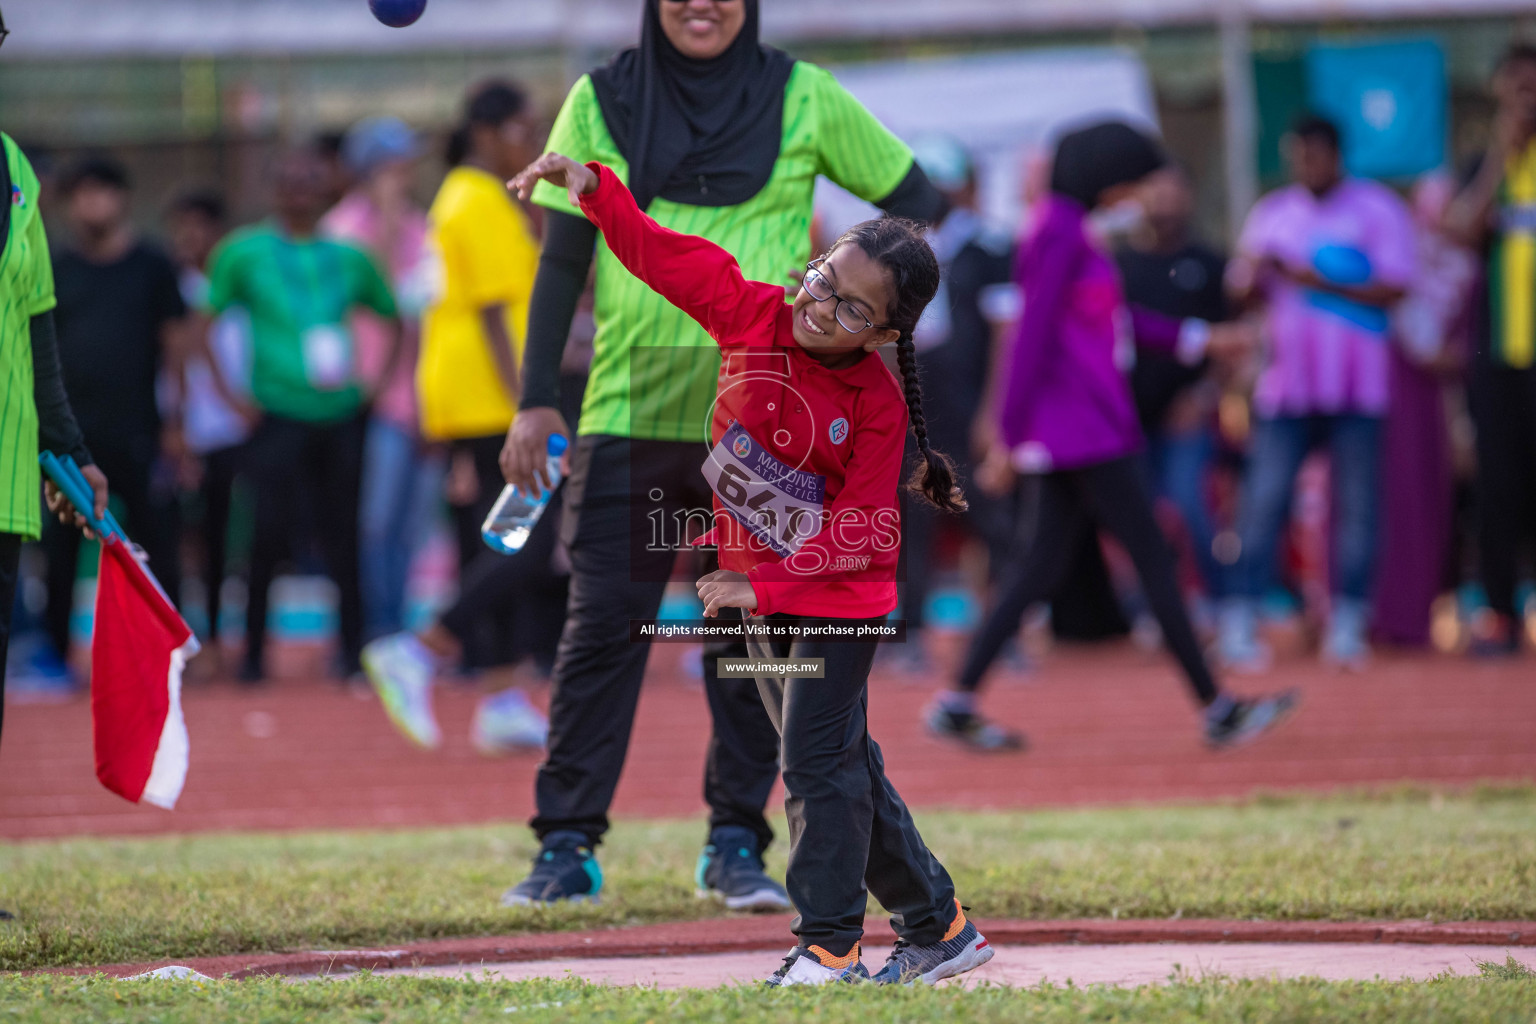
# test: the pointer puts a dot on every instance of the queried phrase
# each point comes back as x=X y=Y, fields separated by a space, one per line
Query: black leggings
x=1113 y=495
x=492 y=582
x=508 y=605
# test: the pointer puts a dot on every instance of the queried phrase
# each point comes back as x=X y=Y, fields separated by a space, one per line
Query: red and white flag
x=140 y=645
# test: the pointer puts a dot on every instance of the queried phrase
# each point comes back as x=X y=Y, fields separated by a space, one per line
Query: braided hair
x=898 y=245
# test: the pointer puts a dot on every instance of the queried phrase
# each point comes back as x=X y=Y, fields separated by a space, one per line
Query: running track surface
x=1107 y=725
x=1031 y=965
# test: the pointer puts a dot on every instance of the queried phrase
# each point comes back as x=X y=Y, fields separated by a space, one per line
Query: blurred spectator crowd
x=288 y=397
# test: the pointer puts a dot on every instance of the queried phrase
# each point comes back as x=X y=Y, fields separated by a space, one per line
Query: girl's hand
x=725 y=589
x=577 y=179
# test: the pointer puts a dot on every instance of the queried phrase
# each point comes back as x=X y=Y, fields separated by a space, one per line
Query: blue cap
x=377 y=140
x=557 y=444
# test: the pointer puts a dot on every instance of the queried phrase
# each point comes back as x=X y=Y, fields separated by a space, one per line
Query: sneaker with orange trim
x=812 y=965
x=961 y=949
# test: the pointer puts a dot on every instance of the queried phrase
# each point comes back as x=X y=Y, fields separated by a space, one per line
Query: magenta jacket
x=1067 y=402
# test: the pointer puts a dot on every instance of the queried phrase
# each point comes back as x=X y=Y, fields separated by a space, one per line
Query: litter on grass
x=175 y=972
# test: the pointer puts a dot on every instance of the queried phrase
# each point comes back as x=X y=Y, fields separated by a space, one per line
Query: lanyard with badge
x=778 y=504
x=326 y=347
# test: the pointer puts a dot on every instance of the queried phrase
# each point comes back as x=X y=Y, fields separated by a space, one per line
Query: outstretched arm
x=692 y=273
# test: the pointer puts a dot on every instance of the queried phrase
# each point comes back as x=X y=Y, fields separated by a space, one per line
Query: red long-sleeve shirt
x=846 y=425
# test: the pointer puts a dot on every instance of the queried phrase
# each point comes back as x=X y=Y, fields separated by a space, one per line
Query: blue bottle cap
x=557 y=444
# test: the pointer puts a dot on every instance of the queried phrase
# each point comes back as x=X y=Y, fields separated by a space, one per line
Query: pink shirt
x=356 y=220
x=1327 y=353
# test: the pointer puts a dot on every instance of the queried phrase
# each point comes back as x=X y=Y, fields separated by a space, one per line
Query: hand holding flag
x=139 y=647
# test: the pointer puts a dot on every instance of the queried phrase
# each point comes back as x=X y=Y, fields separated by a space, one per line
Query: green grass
x=1397 y=855
x=1510 y=970
x=400 y=1000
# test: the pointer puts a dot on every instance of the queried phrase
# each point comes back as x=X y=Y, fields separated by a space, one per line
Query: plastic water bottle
x=506 y=529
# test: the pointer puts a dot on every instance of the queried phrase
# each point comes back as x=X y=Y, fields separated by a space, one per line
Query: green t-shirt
x=26 y=290
x=654 y=369
x=299 y=296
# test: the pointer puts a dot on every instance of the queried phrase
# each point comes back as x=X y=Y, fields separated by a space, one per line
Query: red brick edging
x=735 y=935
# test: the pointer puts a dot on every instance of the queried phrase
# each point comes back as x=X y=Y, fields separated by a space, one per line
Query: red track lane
x=1107 y=725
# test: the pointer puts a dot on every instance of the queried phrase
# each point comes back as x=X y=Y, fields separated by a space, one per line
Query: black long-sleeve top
x=57 y=430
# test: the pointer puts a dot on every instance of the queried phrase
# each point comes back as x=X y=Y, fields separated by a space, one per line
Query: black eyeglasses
x=821 y=290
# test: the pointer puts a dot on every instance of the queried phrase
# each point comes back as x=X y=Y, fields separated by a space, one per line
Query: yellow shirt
x=483 y=252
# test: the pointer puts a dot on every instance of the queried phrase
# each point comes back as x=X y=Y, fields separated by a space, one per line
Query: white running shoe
x=401 y=669
x=507 y=722
x=1345 y=647
x=812 y=965
x=1238 y=646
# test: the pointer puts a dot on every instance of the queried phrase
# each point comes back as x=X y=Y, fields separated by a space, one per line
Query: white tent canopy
x=1001 y=107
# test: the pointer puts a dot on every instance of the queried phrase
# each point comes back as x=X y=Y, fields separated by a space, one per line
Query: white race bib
x=327 y=357
x=779 y=505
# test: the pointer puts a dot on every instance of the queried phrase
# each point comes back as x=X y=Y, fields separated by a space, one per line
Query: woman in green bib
x=719 y=136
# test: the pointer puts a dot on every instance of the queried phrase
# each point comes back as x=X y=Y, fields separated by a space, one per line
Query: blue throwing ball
x=1341 y=264
x=397 y=13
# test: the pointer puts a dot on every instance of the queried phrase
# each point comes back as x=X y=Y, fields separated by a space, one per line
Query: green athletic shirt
x=649 y=349
x=26 y=290
x=300 y=296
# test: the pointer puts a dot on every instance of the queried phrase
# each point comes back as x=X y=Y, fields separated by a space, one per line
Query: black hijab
x=701 y=132
x=1093 y=160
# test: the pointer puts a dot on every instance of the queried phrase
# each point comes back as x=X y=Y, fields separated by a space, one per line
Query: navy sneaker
x=1249 y=719
x=731 y=869
x=972 y=730
x=565 y=870
x=962 y=949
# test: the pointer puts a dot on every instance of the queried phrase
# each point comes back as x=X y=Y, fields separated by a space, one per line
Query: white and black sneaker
x=962 y=949
x=812 y=965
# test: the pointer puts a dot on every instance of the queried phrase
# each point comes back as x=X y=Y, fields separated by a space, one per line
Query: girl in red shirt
x=807 y=433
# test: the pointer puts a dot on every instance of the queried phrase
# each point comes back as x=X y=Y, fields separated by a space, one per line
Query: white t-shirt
x=208 y=423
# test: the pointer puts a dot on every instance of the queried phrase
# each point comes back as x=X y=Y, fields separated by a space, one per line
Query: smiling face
x=702 y=29
x=863 y=283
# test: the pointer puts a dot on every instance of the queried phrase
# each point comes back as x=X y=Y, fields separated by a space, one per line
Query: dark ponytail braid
x=935 y=478
x=899 y=246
